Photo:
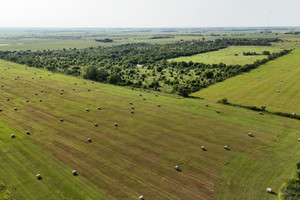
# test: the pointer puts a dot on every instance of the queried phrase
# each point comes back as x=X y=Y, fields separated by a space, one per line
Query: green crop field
x=259 y=87
x=138 y=156
x=230 y=56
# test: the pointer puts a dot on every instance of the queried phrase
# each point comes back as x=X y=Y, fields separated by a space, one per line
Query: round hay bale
x=203 y=147
x=61 y=93
x=156 y=95
x=226 y=147
x=206 y=105
x=158 y=105
x=73 y=89
x=38 y=176
x=36 y=93
x=89 y=140
x=61 y=119
x=260 y=112
x=141 y=198
x=87 y=110
x=132 y=112
x=15 y=79
x=2 y=85
x=15 y=108
x=34 y=73
x=130 y=103
x=132 y=107
x=141 y=95
x=62 y=90
x=217 y=111
x=281 y=80
x=41 y=91
x=293 y=113
x=93 y=82
x=18 y=76
x=0 y=109
x=144 y=99
x=299 y=139
x=32 y=78
x=269 y=190
x=258 y=77
x=75 y=83
x=27 y=132
x=40 y=77
x=176 y=168
x=250 y=135
x=99 y=108
x=95 y=124
x=12 y=136
x=27 y=100
x=84 y=82
x=89 y=90
x=277 y=90
x=116 y=124
x=8 y=99
x=74 y=172
x=40 y=100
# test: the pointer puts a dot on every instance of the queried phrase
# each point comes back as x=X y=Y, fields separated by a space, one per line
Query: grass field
x=41 y=44
x=227 y=55
x=258 y=87
x=137 y=157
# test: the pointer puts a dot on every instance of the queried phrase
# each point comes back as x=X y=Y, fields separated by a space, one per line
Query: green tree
x=102 y=74
x=183 y=91
x=114 y=78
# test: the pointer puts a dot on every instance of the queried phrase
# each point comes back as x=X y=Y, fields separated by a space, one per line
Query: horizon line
x=179 y=27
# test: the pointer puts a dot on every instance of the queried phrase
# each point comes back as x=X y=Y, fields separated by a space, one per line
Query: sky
x=149 y=13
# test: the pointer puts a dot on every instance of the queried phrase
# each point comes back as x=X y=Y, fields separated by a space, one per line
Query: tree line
x=121 y=64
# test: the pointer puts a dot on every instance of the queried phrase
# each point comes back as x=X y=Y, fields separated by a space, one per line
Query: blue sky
x=149 y=13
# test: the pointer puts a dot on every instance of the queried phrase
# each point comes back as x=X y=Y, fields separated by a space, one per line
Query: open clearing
x=259 y=87
x=138 y=156
x=227 y=55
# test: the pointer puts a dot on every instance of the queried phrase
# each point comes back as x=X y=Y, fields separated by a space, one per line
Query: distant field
x=258 y=87
x=137 y=157
x=227 y=56
x=41 y=44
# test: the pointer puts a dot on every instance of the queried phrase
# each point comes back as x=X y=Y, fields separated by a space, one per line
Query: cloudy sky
x=149 y=13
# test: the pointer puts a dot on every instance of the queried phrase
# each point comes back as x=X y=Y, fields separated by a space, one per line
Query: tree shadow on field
x=273 y=193
x=193 y=97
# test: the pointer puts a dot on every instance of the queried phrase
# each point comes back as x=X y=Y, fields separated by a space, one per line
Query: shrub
x=291 y=191
x=223 y=101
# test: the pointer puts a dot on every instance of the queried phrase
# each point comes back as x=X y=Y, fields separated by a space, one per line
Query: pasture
x=232 y=55
x=138 y=156
x=274 y=84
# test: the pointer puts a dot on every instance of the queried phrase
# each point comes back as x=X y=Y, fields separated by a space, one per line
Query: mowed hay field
x=138 y=156
x=259 y=87
x=227 y=55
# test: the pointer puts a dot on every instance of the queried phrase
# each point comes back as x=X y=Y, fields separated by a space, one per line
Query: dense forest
x=142 y=64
